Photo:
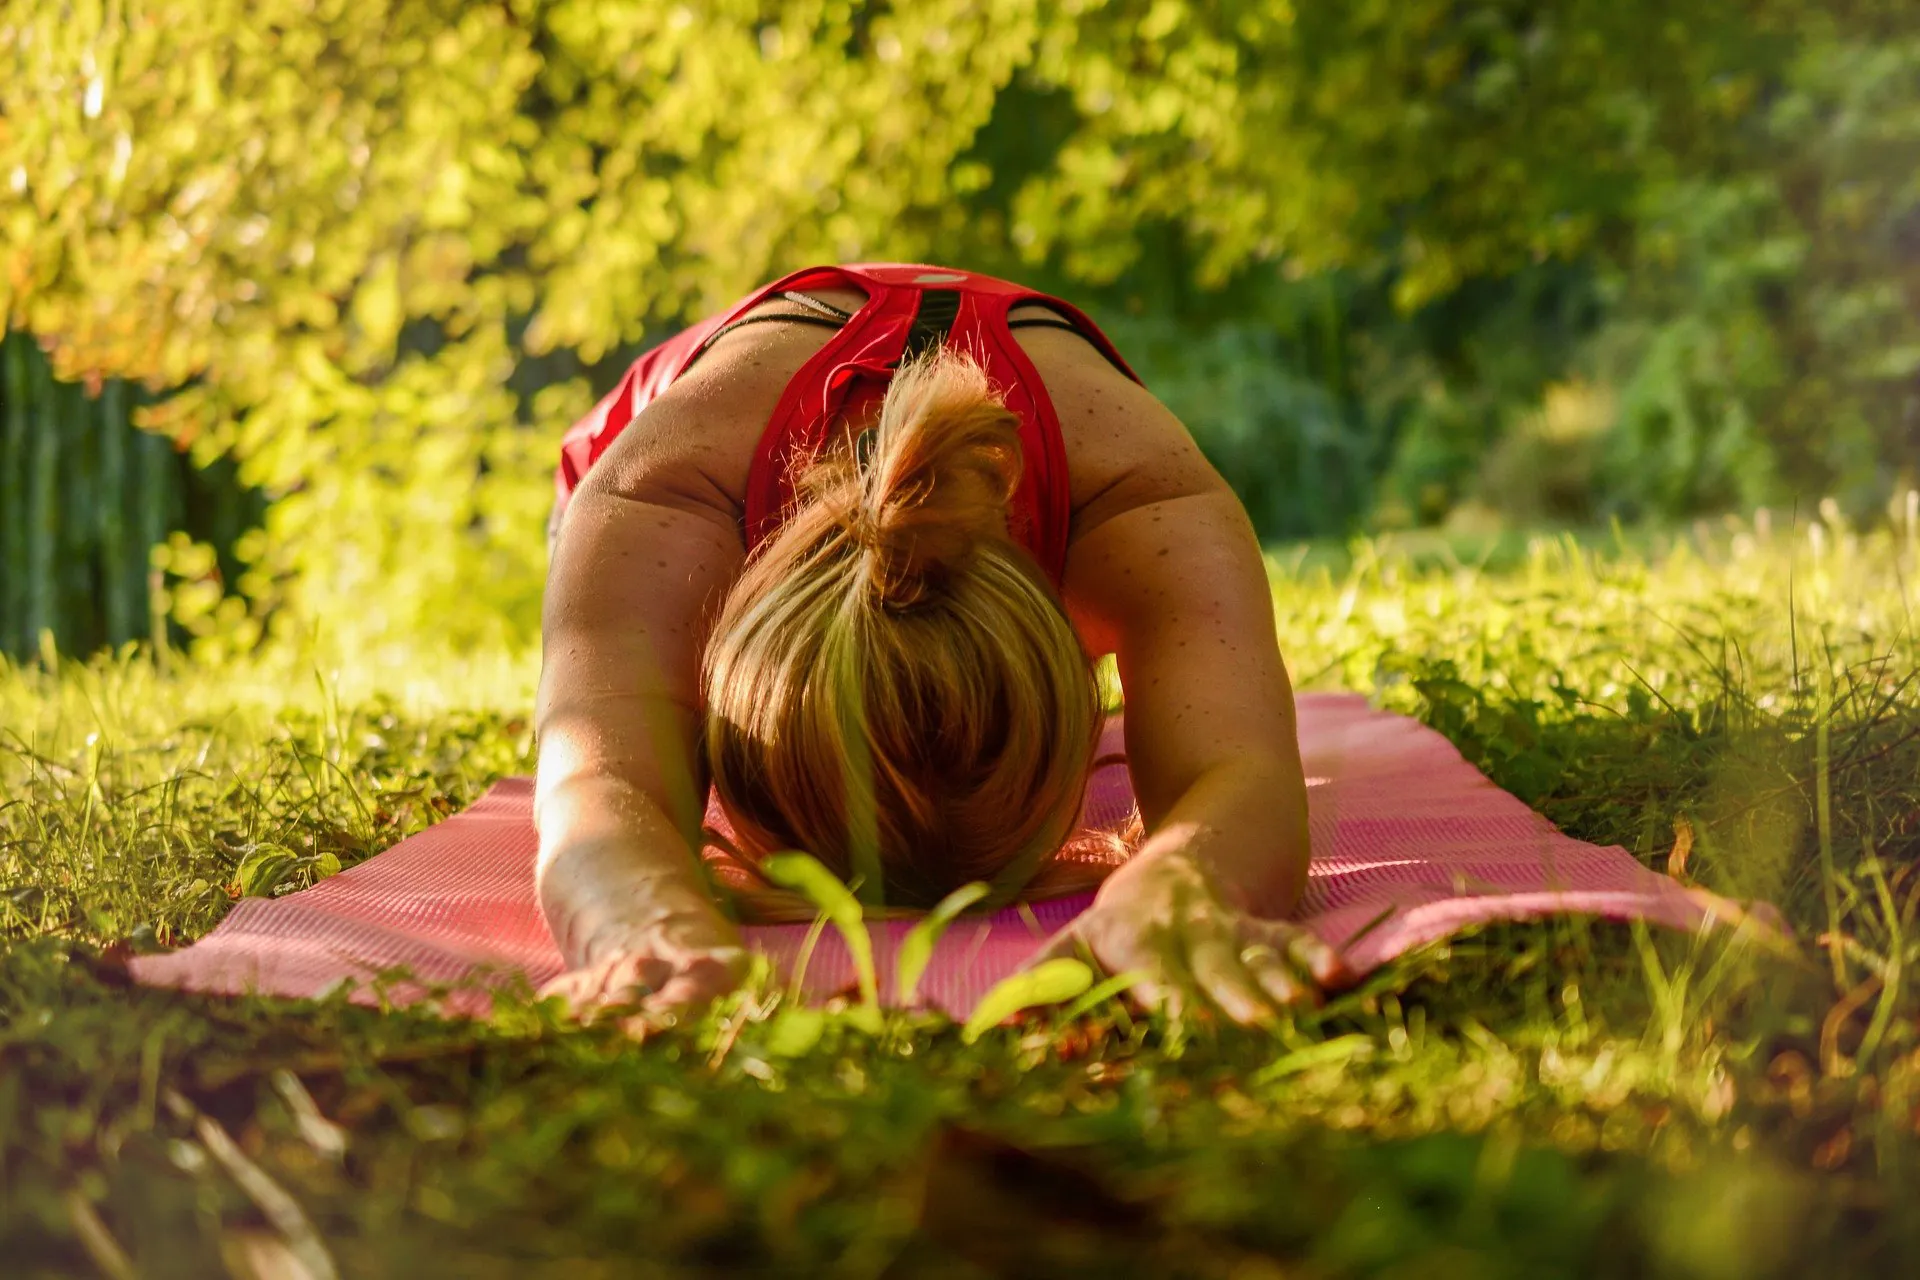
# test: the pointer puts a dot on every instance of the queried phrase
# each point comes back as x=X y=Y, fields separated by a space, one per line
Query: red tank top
x=908 y=309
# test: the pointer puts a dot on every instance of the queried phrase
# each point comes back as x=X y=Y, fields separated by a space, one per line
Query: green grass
x=1563 y=1099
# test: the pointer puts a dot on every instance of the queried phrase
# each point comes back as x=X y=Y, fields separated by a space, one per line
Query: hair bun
x=943 y=467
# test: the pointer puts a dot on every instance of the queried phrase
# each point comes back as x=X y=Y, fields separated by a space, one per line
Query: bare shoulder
x=1159 y=540
x=1124 y=448
x=694 y=444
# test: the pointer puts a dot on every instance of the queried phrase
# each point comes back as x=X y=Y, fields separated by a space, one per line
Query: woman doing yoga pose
x=847 y=552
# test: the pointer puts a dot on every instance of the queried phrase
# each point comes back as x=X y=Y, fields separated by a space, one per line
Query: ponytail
x=943 y=466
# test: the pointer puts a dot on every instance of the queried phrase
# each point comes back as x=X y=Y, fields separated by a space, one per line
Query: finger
x=700 y=982
x=1279 y=981
x=724 y=967
x=614 y=982
x=1223 y=979
x=568 y=987
x=585 y=988
x=1312 y=953
x=631 y=979
x=1148 y=996
x=684 y=993
x=1309 y=955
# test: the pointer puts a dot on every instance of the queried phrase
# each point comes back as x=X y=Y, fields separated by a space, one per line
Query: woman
x=848 y=551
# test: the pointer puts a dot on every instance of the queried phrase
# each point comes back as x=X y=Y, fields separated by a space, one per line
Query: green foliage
x=382 y=253
x=1767 y=344
x=1046 y=983
x=87 y=504
x=805 y=875
x=1101 y=992
x=1444 y=140
x=342 y=235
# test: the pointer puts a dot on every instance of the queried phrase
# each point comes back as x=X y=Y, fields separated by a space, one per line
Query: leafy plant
x=1049 y=982
x=805 y=875
x=380 y=260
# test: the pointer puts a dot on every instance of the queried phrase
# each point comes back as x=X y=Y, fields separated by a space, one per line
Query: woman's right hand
x=684 y=956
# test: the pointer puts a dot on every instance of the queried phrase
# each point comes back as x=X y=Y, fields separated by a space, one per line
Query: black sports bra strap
x=932 y=321
x=1038 y=322
x=782 y=317
x=1056 y=321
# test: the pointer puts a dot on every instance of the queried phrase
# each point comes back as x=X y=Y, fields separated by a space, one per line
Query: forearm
x=1243 y=824
x=612 y=865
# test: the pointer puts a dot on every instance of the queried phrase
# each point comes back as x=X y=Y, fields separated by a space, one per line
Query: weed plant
x=1735 y=704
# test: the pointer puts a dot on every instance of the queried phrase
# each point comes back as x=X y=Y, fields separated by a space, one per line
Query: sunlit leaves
x=365 y=235
x=343 y=224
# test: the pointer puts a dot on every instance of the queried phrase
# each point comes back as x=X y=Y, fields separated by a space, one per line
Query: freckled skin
x=1162 y=569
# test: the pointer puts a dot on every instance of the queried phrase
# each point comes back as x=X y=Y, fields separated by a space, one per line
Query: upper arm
x=646 y=553
x=650 y=546
x=1172 y=581
x=632 y=584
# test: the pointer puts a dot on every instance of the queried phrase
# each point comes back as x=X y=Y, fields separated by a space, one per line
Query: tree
x=381 y=250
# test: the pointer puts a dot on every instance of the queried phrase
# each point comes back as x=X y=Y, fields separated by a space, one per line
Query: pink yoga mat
x=1408 y=838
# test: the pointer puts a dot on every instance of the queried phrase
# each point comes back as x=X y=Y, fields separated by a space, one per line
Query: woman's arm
x=1180 y=592
x=647 y=551
x=649 y=548
x=1175 y=586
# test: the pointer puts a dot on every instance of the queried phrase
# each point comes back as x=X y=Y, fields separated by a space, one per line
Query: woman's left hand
x=1161 y=917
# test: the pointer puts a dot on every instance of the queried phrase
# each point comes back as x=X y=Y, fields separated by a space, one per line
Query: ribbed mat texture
x=1408 y=837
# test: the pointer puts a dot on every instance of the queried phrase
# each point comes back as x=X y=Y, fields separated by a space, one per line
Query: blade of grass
x=1341 y=1049
x=806 y=876
x=1890 y=990
x=916 y=949
x=1823 y=816
x=1102 y=992
x=796 y=984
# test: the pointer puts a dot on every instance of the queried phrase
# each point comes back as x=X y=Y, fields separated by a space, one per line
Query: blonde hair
x=892 y=684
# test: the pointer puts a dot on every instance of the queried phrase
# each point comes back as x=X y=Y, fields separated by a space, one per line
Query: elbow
x=1273 y=777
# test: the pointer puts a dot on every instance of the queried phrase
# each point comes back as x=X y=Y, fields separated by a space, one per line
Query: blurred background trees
x=1397 y=262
